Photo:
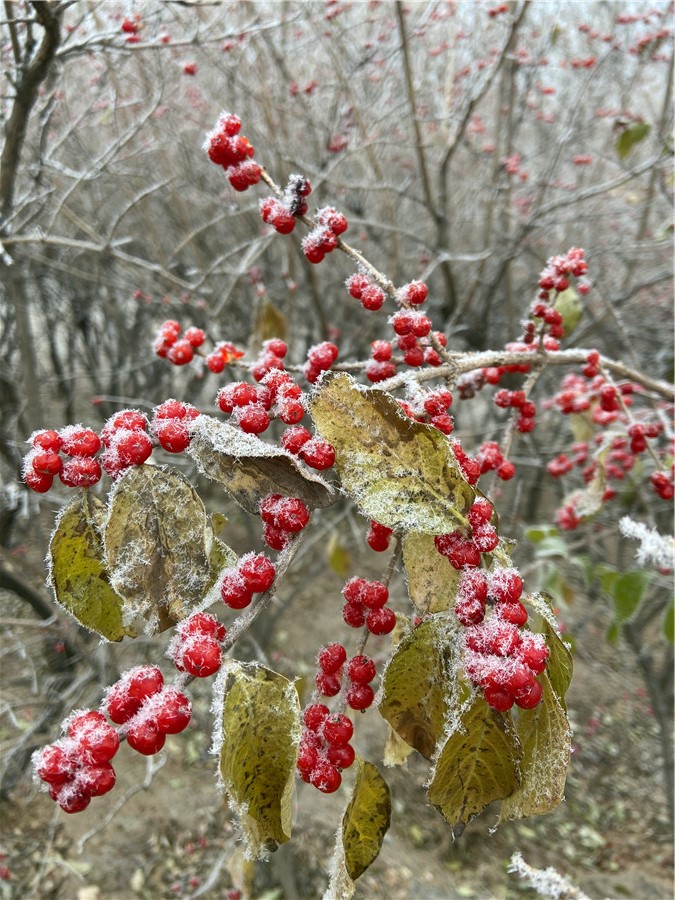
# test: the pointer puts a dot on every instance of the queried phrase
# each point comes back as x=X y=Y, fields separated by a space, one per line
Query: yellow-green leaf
x=477 y=764
x=569 y=305
x=338 y=556
x=77 y=573
x=630 y=136
x=545 y=738
x=364 y=825
x=366 y=819
x=258 y=749
x=432 y=581
x=250 y=469
x=400 y=473
x=270 y=322
x=159 y=546
x=415 y=684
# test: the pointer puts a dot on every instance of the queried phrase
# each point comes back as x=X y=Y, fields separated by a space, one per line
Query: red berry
x=145 y=737
x=203 y=623
x=470 y=610
x=360 y=696
x=46 y=462
x=498 y=698
x=46 y=440
x=276 y=538
x=200 y=656
x=72 y=799
x=515 y=613
x=506 y=470
x=325 y=777
x=174 y=713
x=341 y=755
x=81 y=472
x=530 y=697
x=480 y=512
x=308 y=757
x=327 y=685
x=173 y=435
x=377 y=540
x=381 y=621
x=374 y=594
x=314 y=715
x=354 y=614
x=414 y=293
x=293 y=515
x=253 y=419
x=322 y=356
x=506 y=585
x=126 y=696
x=181 y=353
x=331 y=658
x=95 y=780
x=293 y=439
x=372 y=298
x=195 y=336
x=356 y=284
x=257 y=571
x=318 y=454
x=77 y=441
x=133 y=448
x=361 y=669
x=37 y=482
x=235 y=590
x=54 y=764
x=338 y=729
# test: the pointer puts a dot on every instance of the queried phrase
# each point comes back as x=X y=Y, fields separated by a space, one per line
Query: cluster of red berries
x=147 y=709
x=253 y=574
x=43 y=461
x=431 y=408
x=180 y=351
x=281 y=214
x=320 y=357
x=490 y=458
x=253 y=406
x=464 y=548
x=378 y=537
x=361 y=288
x=360 y=672
x=365 y=604
x=227 y=148
x=282 y=518
x=271 y=357
x=222 y=355
x=170 y=425
x=603 y=399
x=527 y=410
x=195 y=648
x=554 y=280
x=126 y=441
x=313 y=450
x=498 y=657
x=77 y=767
x=324 y=747
x=324 y=238
x=411 y=328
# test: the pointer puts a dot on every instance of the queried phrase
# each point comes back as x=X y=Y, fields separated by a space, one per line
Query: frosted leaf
x=261 y=727
x=400 y=473
x=77 y=572
x=251 y=469
x=655 y=548
x=159 y=546
x=359 y=838
x=546 y=740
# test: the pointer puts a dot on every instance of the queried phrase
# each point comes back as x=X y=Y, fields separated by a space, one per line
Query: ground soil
x=165 y=832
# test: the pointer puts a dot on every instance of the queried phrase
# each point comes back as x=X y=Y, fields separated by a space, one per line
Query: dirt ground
x=164 y=832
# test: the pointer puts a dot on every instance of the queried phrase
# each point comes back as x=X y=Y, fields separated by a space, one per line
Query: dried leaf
x=258 y=749
x=396 y=750
x=415 y=685
x=477 y=763
x=77 y=573
x=338 y=556
x=432 y=581
x=545 y=738
x=250 y=469
x=560 y=664
x=270 y=322
x=400 y=473
x=160 y=547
